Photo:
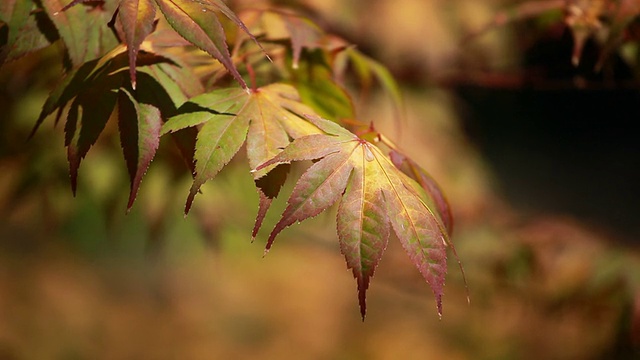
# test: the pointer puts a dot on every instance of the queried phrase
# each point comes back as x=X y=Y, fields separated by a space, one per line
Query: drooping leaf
x=137 y=19
x=375 y=197
x=197 y=22
x=266 y=118
x=88 y=115
x=168 y=87
x=83 y=28
x=70 y=86
x=87 y=76
x=139 y=126
x=93 y=93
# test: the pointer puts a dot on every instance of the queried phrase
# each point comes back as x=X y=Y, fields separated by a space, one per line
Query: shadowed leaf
x=139 y=126
x=87 y=117
x=368 y=70
x=315 y=81
x=83 y=28
x=15 y=14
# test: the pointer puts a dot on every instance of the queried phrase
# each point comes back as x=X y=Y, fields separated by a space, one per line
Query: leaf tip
x=363 y=311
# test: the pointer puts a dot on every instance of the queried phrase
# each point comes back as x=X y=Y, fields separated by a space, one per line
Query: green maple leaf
x=376 y=198
x=267 y=118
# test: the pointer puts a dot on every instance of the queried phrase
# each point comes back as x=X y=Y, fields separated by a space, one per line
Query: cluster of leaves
x=610 y=22
x=173 y=72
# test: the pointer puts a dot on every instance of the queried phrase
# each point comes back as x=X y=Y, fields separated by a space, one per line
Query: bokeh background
x=539 y=160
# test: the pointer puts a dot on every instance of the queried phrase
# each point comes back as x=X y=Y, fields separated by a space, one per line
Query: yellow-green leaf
x=376 y=197
x=266 y=118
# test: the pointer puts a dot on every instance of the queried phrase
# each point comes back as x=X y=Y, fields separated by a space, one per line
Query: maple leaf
x=376 y=198
x=96 y=92
x=266 y=118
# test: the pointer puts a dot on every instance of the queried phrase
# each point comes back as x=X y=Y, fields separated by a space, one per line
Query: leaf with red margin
x=88 y=97
x=428 y=184
x=139 y=126
x=266 y=118
x=197 y=22
x=137 y=19
x=375 y=198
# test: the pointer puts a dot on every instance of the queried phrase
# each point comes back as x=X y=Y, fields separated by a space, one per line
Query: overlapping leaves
x=162 y=94
x=266 y=118
x=376 y=198
x=195 y=21
x=320 y=62
x=99 y=91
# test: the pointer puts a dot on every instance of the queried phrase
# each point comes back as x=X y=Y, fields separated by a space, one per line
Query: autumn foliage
x=214 y=81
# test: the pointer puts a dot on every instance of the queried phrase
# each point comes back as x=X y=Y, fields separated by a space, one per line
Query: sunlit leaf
x=428 y=184
x=197 y=22
x=375 y=197
x=266 y=118
x=137 y=19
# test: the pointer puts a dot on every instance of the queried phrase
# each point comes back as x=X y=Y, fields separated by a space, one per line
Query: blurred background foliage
x=537 y=158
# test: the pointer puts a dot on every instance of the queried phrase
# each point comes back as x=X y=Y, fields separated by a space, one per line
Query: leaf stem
x=252 y=75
